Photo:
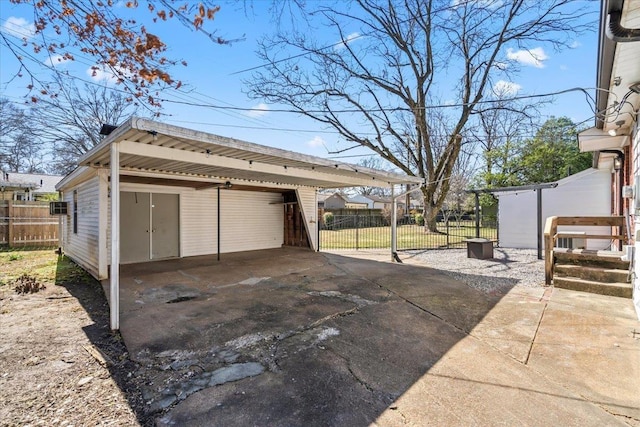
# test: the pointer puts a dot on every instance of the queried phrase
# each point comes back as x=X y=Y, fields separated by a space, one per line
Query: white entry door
x=149 y=226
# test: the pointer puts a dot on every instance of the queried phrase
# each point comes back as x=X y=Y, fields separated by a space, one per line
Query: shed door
x=149 y=226
x=165 y=242
x=135 y=243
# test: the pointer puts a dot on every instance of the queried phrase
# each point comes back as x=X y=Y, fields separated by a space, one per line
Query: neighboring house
x=27 y=186
x=376 y=202
x=152 y=191
x=336 y=201
x=586 y=193
x=615 y=138
x=321 y=198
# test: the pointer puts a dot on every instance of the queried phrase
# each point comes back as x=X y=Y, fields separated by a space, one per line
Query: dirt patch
x=59 y=362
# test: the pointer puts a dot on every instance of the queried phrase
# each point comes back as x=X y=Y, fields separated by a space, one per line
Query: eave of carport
x=145 y=146
x=154 y=147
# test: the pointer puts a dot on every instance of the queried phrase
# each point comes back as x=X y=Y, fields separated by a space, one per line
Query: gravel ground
x=508 y=268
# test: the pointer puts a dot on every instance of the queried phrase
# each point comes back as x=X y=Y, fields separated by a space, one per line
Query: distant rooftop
x=35 y=182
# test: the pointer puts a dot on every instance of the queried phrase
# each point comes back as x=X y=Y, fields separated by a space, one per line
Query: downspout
x=618 y=33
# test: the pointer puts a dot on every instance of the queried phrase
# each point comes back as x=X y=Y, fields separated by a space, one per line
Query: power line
x=389 y=109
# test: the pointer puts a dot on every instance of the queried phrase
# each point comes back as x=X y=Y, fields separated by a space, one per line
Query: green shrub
x=328 y=219
x=419 y=219
x=15 y=257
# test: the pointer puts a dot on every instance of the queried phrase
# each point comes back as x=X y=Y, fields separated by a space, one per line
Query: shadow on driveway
x=292 y=337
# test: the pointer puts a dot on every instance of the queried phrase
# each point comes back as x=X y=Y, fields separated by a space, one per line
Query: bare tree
x=461 y=176
x=499 y=132
x=70 y=123
x=19 y=149
x=373 y=162
x=391 y=60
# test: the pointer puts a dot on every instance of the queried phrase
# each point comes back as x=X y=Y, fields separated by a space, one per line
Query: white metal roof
x=154 y=147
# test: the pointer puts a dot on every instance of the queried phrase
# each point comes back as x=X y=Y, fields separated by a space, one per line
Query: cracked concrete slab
x=293 y=337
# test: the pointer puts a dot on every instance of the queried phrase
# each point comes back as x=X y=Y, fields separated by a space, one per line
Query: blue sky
x=210 y=77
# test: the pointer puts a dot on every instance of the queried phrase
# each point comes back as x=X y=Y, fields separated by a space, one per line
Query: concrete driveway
x=291 y=337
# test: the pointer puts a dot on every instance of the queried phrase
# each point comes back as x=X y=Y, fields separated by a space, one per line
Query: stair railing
x=551 y=235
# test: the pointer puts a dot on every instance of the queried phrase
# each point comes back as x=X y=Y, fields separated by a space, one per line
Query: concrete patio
x=294 y=337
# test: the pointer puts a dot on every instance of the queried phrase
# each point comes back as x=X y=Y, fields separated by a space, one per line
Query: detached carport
x=176 y=186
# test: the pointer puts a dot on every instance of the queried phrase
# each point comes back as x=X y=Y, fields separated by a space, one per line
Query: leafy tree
x=118 y=44
x=392 y=60
x=553 y=153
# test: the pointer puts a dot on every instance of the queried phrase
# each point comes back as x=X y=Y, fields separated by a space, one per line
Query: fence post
x=357 y=231
x=10 y=223
x=447 y=224
x=477 y=214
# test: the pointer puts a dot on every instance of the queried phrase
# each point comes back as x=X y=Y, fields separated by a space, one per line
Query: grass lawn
x=43 y=265
x=409 y=237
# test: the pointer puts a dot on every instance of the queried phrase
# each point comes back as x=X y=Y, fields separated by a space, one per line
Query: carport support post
x=394 y=224
x=539 y=203
x=114 y=284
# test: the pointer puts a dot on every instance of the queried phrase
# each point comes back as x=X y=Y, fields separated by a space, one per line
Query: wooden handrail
x=551 y=234
x=550 y=231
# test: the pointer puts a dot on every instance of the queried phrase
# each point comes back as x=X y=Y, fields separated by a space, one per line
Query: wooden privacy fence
x=27 y=224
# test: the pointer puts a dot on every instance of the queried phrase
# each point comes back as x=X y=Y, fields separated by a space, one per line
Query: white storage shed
x=154 y=191
x=587 y=193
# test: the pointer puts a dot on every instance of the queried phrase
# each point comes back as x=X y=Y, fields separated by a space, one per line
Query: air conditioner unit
x=572 y=242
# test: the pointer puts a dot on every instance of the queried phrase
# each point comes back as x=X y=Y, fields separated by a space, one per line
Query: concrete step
x=596 y=274
x=590 y=258
x=618 y=289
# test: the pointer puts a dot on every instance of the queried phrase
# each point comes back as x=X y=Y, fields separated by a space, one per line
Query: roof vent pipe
x=618 y=33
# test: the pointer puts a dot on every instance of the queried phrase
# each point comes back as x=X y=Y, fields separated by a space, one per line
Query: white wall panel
x=309 y=208
x=249 y=221
x=587 y=193
x=199 y=213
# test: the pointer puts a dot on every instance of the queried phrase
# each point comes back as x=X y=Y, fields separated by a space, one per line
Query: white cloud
x=505 y=88
x=533 y=57
x=258 y=110
x=106 y=75
x=564 y=67
x=316 y=142
x=575 y=44
x=347 y=40
x=19 y=27
x=55 y=60
x=501 y=65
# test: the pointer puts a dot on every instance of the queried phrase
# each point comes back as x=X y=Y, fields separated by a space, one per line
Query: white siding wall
x=309 y=208
x=249 y=221
x=587 y=193
x=198 y=210
x=635 y=165
x=83 y=246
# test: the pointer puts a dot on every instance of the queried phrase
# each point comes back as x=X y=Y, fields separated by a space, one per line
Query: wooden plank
x=590 y=236
x=591 y=220
x=10 y=216
x=550 y=230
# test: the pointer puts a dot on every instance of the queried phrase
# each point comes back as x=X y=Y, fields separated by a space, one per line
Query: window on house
x=75 y=211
